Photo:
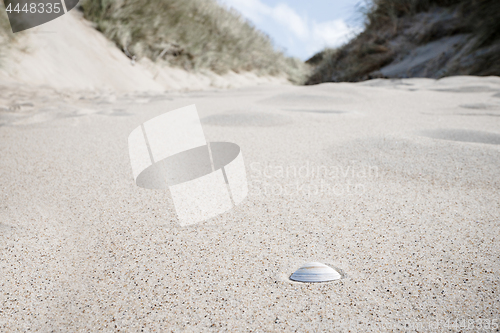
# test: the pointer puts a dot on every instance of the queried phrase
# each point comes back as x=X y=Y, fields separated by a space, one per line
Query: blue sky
x=302 y=27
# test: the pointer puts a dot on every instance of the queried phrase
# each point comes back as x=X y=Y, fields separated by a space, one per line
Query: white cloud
x=287 y=17
x=312 y=36
x=254 y=10
x=331 y=33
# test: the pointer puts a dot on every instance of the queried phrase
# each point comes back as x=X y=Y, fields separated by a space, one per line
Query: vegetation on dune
x=4 y=22
x=393 y=27
x=5 y=30
x=192 y=34
x=479 y=16
x=6 y=35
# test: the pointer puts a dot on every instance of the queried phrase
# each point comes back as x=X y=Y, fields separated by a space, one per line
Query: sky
x=302 y=28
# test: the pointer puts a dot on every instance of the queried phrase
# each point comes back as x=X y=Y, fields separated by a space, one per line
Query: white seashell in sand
x=315 y=272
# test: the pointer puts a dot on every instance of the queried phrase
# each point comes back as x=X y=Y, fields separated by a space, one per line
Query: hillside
x=417 y=38
x=153 y=46
x=191 y=34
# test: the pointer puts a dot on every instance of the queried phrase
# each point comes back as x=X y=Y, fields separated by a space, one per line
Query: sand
x=395 y=182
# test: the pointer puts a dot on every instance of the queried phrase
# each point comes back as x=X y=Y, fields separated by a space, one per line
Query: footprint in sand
x=23 y=106
x=462 y=135
x=480 y=106
x=470 y=89
x=318 y=111
x=246 y=119
x=297 y=100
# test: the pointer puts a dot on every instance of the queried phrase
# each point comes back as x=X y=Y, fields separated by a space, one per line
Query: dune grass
x=192 y=34
x=479 y=16
x=384 y=20
x=6 y=35
x=4 y=21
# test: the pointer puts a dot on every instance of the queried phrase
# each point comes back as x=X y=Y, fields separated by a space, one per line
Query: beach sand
x=395 y=182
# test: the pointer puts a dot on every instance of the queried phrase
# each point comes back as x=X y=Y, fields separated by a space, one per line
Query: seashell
x=315 y=272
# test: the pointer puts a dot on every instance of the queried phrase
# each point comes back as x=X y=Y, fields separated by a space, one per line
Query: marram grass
x=6 y=35
x=192 y=34
x=371 y=49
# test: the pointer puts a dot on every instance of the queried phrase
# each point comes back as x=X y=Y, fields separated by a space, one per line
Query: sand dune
x=397 y=186
x=68 y=54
